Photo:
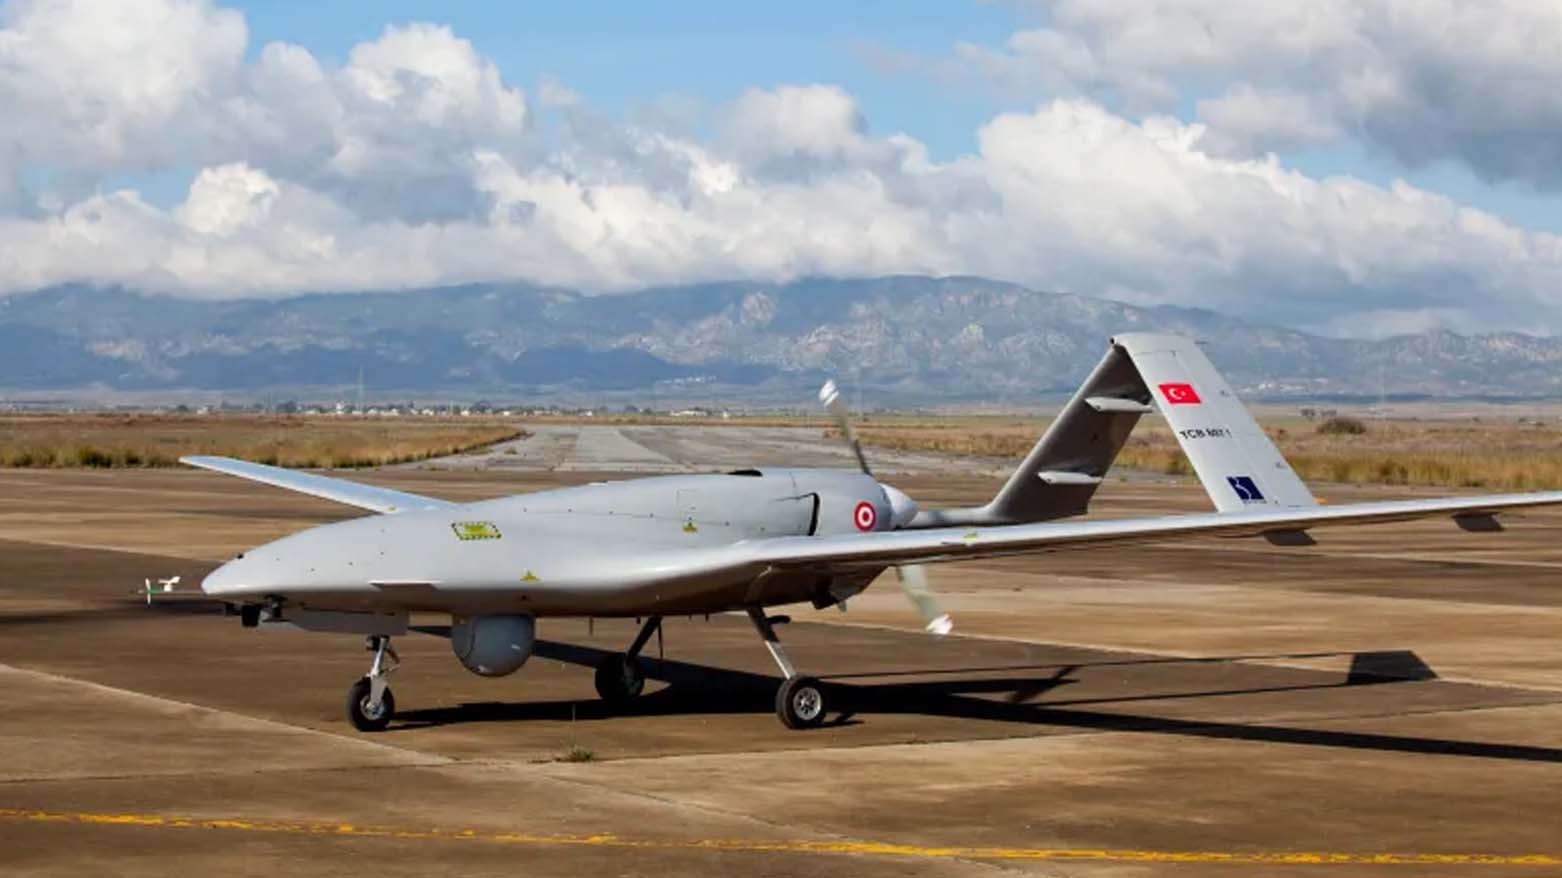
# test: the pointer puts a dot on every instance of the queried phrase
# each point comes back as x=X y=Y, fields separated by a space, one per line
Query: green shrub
x=86 y=455
x=1342 y=425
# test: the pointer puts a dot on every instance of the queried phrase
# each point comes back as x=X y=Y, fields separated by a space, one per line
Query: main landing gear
x=370 y=704
x=620 y=678
x=800 y=700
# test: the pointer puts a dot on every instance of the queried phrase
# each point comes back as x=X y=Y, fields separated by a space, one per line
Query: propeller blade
x=913 y=581
x=830 y=396
x=913 y=578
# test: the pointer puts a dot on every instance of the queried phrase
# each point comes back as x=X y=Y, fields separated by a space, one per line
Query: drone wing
x=953 y=544
x=363 y=496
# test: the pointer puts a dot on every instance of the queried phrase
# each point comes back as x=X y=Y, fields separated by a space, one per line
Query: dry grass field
x=1492 y=452
x=1496 y=453
x=113 y=440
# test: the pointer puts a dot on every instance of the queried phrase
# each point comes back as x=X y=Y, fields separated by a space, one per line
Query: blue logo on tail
x=1246 y=488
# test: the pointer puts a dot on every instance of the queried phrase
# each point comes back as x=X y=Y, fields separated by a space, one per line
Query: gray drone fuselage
x=604 y=549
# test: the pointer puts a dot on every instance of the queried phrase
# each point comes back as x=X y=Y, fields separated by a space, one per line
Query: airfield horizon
x=1453 y=446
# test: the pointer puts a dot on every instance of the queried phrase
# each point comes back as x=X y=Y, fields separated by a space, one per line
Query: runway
x=1389 y=701
x=607 y=448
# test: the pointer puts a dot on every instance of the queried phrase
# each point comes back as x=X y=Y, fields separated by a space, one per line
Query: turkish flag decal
x=1180 y=394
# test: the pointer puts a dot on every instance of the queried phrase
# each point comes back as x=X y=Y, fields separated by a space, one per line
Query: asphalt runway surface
x=1387 y=702
x=619 y=448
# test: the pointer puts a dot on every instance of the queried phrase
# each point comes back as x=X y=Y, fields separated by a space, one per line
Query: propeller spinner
x=913 y=577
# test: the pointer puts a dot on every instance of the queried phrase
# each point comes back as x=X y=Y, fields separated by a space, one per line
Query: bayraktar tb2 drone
x=750 y=540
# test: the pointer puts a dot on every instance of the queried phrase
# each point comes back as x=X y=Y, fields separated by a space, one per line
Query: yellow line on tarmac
x=738 y=845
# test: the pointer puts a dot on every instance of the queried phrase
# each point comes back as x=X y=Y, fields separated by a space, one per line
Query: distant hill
x=910 y=340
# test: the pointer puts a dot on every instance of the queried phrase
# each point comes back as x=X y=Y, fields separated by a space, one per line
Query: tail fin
x=1140 y=374
x=1238 y=465
x=1061 y=473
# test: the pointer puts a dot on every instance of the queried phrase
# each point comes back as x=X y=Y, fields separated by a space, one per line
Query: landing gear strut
x=800 y=700
x=370 y=704
x=620 y=677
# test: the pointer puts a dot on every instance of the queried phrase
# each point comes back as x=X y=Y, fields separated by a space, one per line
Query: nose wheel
x=370 y=704
x=364 y=712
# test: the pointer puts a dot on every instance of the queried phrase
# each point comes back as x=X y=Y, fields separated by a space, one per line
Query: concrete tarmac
x=675 y=448
x=1387 y=702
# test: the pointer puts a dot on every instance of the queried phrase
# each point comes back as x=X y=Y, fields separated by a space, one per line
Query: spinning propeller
x=913 y=577
x=164 y=586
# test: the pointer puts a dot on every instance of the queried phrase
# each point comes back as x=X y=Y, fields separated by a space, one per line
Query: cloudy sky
x=1356 y=167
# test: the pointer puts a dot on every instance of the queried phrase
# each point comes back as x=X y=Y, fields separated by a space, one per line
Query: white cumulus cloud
x=414 y=163
x=1421 y=80
x=228 y=198
x=95 y=84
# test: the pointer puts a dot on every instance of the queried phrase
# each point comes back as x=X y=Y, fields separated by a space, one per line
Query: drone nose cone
x=228 y=579
x=902 y=508
x=218 y=581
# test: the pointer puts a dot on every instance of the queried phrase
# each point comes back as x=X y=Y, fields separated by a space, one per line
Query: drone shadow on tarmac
x=1006 y=694
x=1001 y=694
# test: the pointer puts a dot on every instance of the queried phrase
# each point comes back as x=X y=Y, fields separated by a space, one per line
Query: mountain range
x=908 y=340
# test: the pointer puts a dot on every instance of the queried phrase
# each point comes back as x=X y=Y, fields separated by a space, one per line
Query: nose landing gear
x=370 y=704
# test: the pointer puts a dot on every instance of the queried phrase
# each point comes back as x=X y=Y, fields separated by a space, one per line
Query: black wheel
x=619 y=678
x=800 y=703
x=361 y=715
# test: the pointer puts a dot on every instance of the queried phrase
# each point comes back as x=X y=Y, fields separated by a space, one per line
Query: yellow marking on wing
x=530 y=577
x=739 y=845
x=475 y=530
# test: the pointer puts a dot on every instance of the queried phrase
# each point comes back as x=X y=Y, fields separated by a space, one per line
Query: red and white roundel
x=866 y=516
